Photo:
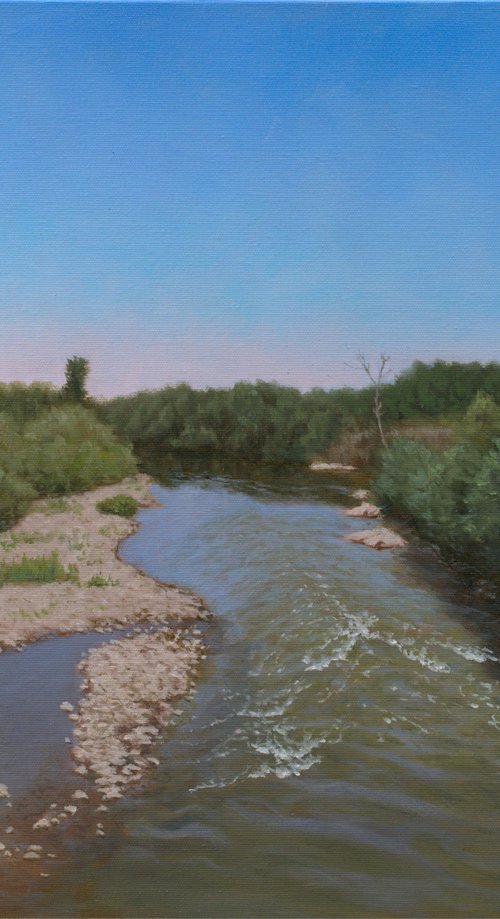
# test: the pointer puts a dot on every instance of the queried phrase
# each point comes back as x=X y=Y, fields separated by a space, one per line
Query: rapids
x=341 y=754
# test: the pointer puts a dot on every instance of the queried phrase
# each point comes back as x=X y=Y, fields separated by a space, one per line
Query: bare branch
x=377 y=378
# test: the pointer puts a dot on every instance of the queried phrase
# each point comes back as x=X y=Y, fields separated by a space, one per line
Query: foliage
x=482 y=522
x=76 y=373
x=122 y=505
x=452 y=498
x=98 y=580
x=15 y=493
x=23 y=403
x=481 y=424
x=275 y=424
x=39 y=569
x=15 y=498
x=68 y=450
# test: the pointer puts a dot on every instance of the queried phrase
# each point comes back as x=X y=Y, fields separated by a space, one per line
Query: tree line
x=54 y=441
x=271 y=423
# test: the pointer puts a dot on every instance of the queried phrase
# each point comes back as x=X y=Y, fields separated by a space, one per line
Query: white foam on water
x=469 y=653
x=222 y=784
x=345 y=636
x=407 y=647
x=284 y=772
x=273 y=712
x=271 y=740
x=285 y=755
x=421 y=657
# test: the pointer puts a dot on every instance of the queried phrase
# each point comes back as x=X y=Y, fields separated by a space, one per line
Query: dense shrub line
x=443 y=478
x=271 y=423
x=451 y=497
x=65 y=449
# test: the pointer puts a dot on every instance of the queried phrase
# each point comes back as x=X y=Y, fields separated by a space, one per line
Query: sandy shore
x=129 y=685
x=89 y=540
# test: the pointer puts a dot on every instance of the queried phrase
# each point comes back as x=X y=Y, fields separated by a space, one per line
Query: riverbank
x=128 y=684
x=104 y=591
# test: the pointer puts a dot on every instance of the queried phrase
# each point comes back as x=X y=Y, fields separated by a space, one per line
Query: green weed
x=97 y=580
x=39 y=569
x=122 y=505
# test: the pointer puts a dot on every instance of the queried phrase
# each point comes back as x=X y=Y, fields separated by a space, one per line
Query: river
x=341 y=754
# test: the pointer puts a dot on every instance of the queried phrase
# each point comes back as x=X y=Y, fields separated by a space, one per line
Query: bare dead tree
x=377 y=376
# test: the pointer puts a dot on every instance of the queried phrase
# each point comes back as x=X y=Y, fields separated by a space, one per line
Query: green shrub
x=24 y=402
x=15 y=499
x=405 y=469
x=39 y=569
x=481 y=425
x=69 y=450
x=98 y=580
x=64 y=450
x=482 y=521
x=122 y=505
x=451 y=498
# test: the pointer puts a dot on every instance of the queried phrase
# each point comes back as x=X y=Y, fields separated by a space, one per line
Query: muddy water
x=341 y=756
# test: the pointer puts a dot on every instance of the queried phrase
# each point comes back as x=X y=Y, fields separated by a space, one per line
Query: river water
x=341 y=755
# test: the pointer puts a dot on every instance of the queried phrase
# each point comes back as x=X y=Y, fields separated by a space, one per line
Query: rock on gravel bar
x=378 y=538
x=331 y=467
x=364 y=510
x=129 y=686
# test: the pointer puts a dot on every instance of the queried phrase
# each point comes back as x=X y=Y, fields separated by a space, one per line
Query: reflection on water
x=341 y=755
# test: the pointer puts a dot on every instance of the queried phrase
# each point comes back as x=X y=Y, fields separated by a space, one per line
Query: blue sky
x=211 y=192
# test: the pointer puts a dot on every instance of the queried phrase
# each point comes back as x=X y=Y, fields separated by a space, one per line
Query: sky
x=211 y=192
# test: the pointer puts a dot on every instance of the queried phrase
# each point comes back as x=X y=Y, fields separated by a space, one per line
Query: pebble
x=131 y=684
x=4 y=791
x=31 y=855
x=42 y=824
x=79 y=795
x=10 y=829
x=67 y=707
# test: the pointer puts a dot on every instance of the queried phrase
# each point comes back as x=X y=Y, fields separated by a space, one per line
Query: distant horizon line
x=255 y=2
x=254 y=382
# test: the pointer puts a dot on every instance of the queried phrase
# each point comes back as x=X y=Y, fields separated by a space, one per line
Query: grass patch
x=23 y=538
x=97 y=580
x=122 y=505
x=55 y=506
x=39 y=569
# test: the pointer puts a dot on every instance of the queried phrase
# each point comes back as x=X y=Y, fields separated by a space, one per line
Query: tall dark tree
x=76 y=373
